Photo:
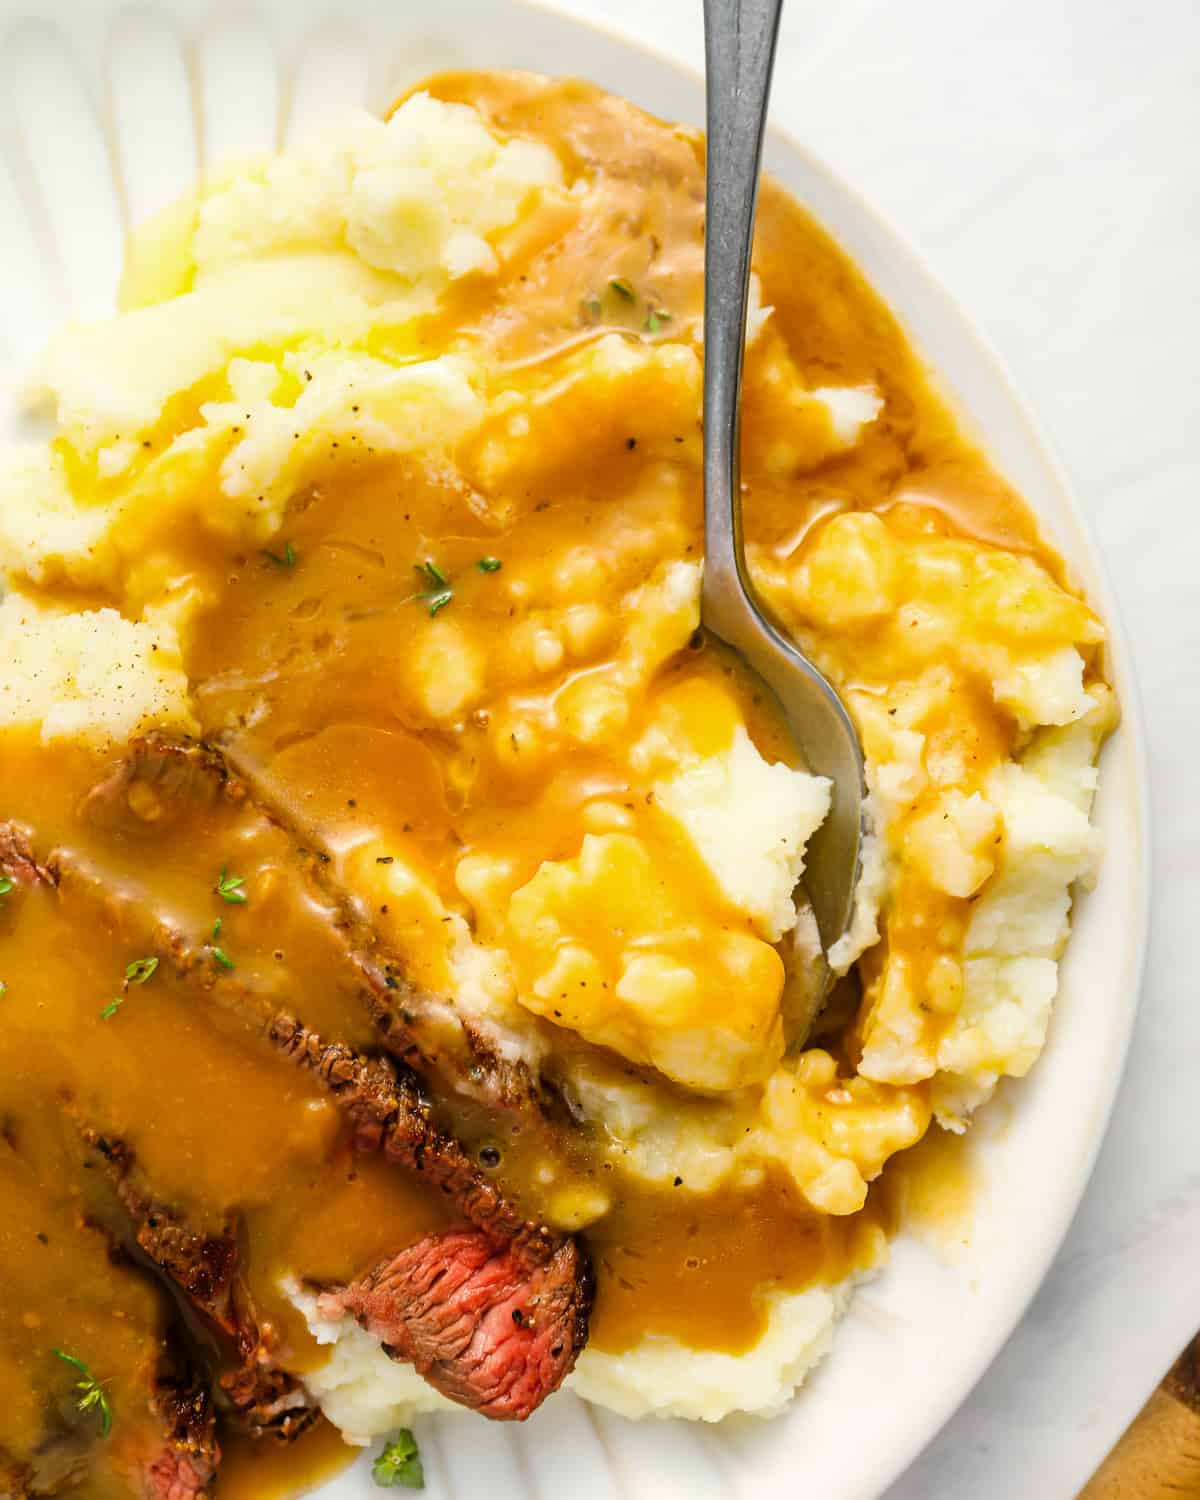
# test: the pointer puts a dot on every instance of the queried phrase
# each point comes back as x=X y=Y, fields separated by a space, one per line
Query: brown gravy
x=259 y=1471
x=298 y=668
x=704 y=1276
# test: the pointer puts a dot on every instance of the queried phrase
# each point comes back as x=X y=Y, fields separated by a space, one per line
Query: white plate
x=106 y=111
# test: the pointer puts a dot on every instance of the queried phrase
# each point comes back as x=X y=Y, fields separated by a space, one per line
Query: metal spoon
x=739 y=37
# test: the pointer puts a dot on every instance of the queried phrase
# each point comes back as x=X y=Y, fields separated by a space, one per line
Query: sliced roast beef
x=156 y=792
x=473 y=1320
x=482 y=1322
x=93 y=1322
x=176 y=1475
x=183 y=1463
x=503 y=1269
x=494 y=1317
x=205 y=1267
x=172 y=1454
x=17 y=862
x=382 y=1100
x=386 y=1109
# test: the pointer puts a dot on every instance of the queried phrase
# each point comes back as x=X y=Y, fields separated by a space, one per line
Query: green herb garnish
x=592 y=306
x=136 y=972
x=622 y=288
x=216 y=932
x=229 y=888
x=655 y=319
x=284 y=559
x=439 y=593
x=399 y=1464
x=489 y=564
x=90 y=1393
x=7 y=883
x=221 y=956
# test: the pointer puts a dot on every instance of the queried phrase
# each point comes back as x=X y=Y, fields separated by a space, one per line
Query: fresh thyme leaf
x=622 y=288
x=217 y=925
x=136 y=972
x=229 y=888
x=7 y=883
x=655 y=319
x=284 y=559
x=439 y=593
x=90 y=1392
x=439 y=600
x=592 y=306
x=221 y=956
x=489 y=564
x=399 y=1464
x=3 y=989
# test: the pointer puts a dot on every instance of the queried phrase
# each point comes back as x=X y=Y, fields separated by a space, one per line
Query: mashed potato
x=362 y=1392
x=662 y=1378
x=367 y=1395
x=749 y=821
x=90 y=676
x=465 y=337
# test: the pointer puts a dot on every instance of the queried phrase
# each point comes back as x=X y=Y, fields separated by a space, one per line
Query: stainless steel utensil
x=740 y=37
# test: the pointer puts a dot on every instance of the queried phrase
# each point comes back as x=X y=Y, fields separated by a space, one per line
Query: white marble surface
x=1044 y=155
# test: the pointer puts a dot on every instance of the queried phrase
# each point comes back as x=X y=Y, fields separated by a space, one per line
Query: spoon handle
x=739 y=48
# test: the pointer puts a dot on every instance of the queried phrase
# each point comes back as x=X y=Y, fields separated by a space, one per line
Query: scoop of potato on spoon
x=740 y=38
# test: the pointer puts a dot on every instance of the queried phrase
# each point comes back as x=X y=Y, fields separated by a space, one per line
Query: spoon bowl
x=740 y=38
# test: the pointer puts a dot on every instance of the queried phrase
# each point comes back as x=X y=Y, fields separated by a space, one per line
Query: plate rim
x=1129 y=739
x=1084 y=556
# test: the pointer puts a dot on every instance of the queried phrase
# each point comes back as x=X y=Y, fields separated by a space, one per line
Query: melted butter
x=312 y=674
